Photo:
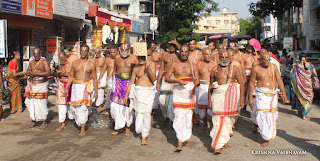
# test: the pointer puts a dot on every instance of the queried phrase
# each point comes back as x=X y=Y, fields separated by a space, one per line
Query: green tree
x=250 y=26
x=177 y=17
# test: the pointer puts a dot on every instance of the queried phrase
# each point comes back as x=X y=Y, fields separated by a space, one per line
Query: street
x=22 y=143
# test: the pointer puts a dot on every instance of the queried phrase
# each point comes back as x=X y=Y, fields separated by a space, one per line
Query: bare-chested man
x=237 y=56
x=196 y=55
x=202 y=92
x=82 y=70
x=36 y=92
x=108 y=68
x=227 y=89
x=214 y=52
x=120 y=112
x=71 y=57
x=165 y=98
x=156 y=58
x=186 y=76
x=100 y=62
x=142 y=95
x=63 y=101
x=249 y=58
x=265 y=104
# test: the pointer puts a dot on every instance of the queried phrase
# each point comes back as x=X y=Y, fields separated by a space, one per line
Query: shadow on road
x=203 y=136
x=301 y=143
x=166 y=129
x=244 y=127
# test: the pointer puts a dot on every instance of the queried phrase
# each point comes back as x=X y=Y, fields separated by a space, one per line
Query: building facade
x=226 y=23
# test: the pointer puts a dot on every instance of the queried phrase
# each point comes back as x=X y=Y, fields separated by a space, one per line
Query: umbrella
x=255 y=43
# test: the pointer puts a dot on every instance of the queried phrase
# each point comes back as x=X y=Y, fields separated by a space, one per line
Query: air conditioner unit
x=143 y=8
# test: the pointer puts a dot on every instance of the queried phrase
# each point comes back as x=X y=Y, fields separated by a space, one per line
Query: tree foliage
x=275 y=7
x=177 y=17
x=250 y=25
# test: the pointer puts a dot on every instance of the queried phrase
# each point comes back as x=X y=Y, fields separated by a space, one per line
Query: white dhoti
x=65 y=110
x=109 y=90
x=102 y=85
x=80 y=101
x=225 y=101
x=202 y=98
x=142 y=103
x=166 y=100
x=266 y=103
x=37 y=100
x=184 y=104
x=121 y=115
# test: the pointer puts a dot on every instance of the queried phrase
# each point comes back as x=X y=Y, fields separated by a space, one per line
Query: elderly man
x=225 y=87
x=120 y=112
x=36 y=92
x=186 y=76
x=63 y=101
x=266 y=76
x=82 y=70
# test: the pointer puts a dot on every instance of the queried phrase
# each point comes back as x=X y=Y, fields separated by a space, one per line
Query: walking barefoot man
x=142 y=95
x=36 y=92
x=120 y=112
x=82 y=70
x=63 y=101
x=202 y=92
x=100 y=62
x=186 y=78
x=225 y=87
x=266 y=101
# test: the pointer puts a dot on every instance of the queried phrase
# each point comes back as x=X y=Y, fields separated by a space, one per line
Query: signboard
x=137 y=27
x=70 y=8
x=3 y=38
x=51 y=46
x=153 y=23
x=38 y=8
x=140 y=48
x=11 y=6
x=287 y=43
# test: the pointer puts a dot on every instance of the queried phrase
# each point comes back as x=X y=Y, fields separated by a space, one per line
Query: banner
x=3 y=38
x=11 y=6
x=140 y=48
x=51 y=46
x=38 y=8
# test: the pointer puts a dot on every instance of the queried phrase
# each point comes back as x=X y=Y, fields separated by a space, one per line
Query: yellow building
x=226 y=23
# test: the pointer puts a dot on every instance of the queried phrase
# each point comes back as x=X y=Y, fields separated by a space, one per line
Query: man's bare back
x=110 y=66
x=72 y=58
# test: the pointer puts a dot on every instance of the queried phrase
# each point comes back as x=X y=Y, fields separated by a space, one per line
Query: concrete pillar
x=306 y=22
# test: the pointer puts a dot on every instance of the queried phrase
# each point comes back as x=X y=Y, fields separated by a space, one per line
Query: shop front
x=109 y=27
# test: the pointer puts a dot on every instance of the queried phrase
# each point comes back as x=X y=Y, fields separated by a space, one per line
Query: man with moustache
x=120 y=112
x=225 y=87
x=186 y=76
x=36 y=92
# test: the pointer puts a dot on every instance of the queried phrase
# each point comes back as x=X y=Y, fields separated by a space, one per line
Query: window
x=226 y=22
x=268 y=19
x=209 y=22
x=217 y=22
x=232 y=22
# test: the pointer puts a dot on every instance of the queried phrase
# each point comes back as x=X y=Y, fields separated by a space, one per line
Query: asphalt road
x=18 y=142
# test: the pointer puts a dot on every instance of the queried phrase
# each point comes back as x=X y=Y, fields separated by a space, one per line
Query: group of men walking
x=183 y=81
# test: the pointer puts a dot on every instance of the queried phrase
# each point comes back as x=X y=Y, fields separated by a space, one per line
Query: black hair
x=114 y=47
x=67 y=48
x=153 y=42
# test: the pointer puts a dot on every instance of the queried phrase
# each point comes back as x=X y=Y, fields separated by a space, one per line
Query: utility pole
x=153 y=14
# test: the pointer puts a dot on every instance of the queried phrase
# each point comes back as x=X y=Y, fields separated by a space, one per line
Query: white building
x=311 y=25
x=269 y=29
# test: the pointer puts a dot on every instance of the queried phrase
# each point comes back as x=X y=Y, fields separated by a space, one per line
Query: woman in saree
x=304 y=79
x=14 y=85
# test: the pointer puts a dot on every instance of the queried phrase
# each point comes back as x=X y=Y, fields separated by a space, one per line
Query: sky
x=242 y=6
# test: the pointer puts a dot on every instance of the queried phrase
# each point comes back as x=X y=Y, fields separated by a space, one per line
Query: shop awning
x=105 y=16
